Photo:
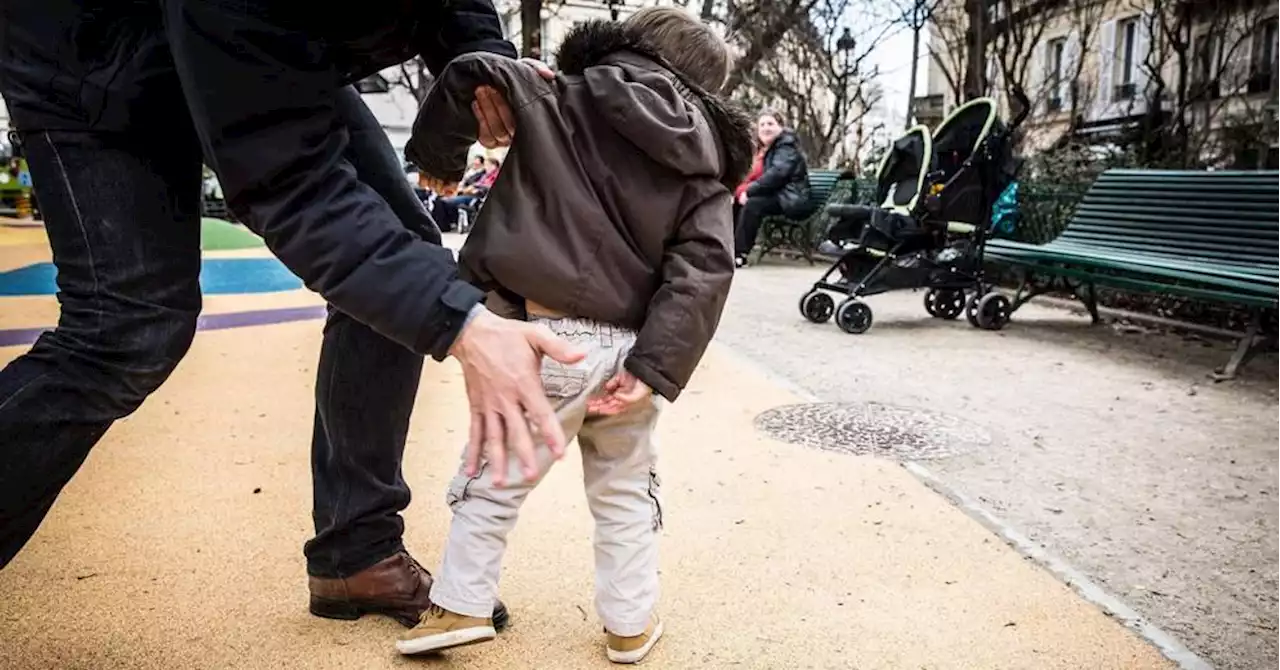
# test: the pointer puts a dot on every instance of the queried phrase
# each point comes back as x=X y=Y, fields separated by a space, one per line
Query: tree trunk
x=708 y=10
x=531 y=28
x=915 y=63
x=976 y=74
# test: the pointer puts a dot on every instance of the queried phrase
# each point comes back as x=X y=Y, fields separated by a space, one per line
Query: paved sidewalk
x=179 y=544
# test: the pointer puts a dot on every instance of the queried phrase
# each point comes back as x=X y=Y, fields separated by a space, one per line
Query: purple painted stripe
x=261 y=317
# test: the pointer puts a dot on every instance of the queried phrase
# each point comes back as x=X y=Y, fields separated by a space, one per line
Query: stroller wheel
x=971 y=308
x=993 y=311
x=853 y=317
x=944 y=303
x=817 y=306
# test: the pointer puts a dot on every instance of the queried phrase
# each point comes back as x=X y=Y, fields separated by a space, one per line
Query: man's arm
x=263 y=100
x=264 y=103
x=697 y=270
x=451 y=29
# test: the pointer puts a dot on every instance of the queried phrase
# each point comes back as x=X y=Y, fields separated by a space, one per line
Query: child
x=611 y=225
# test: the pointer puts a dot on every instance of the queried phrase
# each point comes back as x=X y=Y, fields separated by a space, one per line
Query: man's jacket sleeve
x=263 y=100
x=457 y=27
x=446 y=127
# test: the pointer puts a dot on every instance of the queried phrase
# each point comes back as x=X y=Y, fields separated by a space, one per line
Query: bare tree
x=1085 y=18
x=1199 y=80
x=414 y=77
x=914 y=15
x=759 y=27
x=823 y=92
x=1016 y=33
x=948 y=46
x=531 y=28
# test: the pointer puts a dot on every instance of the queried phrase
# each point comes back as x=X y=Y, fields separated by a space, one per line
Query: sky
x=893 y=55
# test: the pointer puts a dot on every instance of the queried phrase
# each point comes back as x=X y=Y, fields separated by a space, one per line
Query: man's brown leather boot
x=397 y=587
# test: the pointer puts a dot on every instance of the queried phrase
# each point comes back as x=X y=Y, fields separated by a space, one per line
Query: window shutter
x=1070 y=59
x=1107 y=60
x=1042 y=79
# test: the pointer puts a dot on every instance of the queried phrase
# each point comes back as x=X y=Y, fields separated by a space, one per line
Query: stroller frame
x=950 y=291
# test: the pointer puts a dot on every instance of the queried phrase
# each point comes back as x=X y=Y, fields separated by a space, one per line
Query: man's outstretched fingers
x=492 y=110
x=475 y=445
x=503 y=110
x=542 y=417
x=548 y=343
x=519 y=442
x=495 y=447
x=484 y=134
x=539 y=67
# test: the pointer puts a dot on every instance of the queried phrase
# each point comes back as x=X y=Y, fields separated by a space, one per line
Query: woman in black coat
x=782 y=188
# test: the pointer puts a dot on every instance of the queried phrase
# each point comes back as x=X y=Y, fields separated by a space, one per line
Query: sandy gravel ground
x=178 y=545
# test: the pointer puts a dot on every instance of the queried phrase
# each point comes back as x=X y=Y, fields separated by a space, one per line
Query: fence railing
x=1043 y=208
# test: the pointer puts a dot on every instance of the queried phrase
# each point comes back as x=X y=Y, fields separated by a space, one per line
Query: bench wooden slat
x=825 y=187
x=1210 y=236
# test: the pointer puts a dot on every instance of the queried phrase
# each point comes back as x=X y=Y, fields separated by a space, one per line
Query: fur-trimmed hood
x=667 y=129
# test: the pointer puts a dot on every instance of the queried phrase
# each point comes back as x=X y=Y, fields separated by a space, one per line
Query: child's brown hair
x=687 y=43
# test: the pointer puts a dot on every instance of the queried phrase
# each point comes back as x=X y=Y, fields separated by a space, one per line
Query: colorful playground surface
x=178 y=545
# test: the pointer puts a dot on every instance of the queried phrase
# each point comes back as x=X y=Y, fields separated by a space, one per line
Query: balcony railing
x=929 y=109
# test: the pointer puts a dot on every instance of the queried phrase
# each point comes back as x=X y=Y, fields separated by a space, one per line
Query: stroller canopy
x=902 y=171
x=960 y=134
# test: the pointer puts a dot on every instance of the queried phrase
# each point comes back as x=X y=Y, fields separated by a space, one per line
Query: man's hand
x=742 y=199
x=496 y=122
x=620 y=393
x=501 y=365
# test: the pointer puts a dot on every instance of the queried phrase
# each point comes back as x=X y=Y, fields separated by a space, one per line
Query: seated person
x=469 y=195
x=783 y=186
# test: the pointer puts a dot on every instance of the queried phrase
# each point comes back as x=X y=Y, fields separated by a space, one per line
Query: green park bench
x=803 y=235
x=1207 y=236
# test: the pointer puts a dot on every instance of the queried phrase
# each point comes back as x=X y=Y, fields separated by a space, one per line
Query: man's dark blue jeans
x=122 y=211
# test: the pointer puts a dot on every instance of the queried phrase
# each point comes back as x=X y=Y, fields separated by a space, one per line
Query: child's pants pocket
x=562 y=381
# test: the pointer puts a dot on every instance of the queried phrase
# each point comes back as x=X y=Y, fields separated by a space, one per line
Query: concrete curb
x=1110 y=604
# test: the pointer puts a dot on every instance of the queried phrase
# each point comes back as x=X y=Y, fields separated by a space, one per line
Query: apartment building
x=1098 y=70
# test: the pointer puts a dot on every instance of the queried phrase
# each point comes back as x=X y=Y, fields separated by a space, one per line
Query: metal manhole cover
x=877 y=429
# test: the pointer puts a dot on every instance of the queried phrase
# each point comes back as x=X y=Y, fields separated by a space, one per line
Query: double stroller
x=936 y=193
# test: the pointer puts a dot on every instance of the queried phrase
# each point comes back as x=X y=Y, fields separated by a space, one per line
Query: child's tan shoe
x=439 y=629
x=634 y=649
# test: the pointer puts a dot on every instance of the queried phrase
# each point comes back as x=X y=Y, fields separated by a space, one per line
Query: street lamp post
x=845 y=45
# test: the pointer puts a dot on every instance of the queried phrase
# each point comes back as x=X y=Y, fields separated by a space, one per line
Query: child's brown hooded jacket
x=615 y=201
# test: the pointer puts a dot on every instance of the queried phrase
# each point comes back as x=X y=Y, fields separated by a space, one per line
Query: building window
x=1262 y=66
x=1057 y=76
x=1126 y=72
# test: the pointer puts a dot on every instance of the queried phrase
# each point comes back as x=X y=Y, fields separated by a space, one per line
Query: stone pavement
x=178 y=545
